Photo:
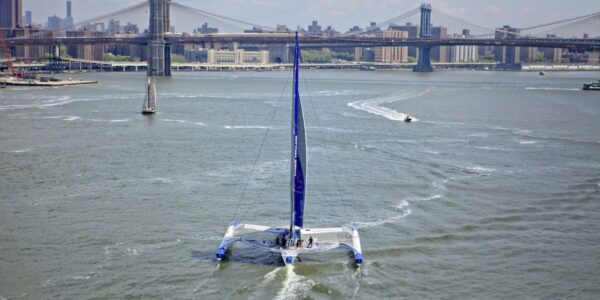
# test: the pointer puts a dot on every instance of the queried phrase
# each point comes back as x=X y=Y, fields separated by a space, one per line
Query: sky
x=341 y=14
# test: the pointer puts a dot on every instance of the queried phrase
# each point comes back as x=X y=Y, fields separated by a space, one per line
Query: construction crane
x=6 y=51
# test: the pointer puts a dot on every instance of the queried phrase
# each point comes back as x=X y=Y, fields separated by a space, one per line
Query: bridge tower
x=424 y=62
x=159 y=60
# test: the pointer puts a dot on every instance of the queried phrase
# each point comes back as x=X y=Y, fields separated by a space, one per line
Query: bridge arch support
x=159 y=60
x=424 y=61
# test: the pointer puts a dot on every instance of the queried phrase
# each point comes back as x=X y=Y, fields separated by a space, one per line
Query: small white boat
x=295 y=239
x=149 y=106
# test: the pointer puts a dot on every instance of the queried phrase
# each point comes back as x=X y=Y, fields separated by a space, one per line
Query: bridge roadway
x=315 y=42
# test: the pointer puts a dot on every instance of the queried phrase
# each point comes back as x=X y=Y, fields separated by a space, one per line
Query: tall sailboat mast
x=298 y=155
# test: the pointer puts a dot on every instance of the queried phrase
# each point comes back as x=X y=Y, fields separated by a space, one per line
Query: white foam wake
x=246 y=127
x=403 y=207
x=183 y=122
x=19 y=150
x=373 y=106
x=550 y=89
x=294 y=285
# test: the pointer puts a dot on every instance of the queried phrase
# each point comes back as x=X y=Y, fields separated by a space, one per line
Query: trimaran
x=296 y=239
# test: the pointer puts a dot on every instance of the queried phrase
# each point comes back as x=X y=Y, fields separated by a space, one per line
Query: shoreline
x=363 y=66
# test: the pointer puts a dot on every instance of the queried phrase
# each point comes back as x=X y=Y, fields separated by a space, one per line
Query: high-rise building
x=507 y=55
x=413 y=33
x=11 y=13
x=28 y=19
x=439 y=54
x=463 y=53
x=69 y=9
x=68 y=22
x=131 y=28
x=54 y=23
x=205 y=29
x=89 y=52
x=315 y=28
x=392 y=54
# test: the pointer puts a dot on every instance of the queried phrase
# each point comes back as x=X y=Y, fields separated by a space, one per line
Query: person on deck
x=310 y=242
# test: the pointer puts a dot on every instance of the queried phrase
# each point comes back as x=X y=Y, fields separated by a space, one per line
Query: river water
x=492 y=193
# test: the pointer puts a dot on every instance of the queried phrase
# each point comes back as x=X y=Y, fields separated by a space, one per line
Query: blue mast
x=298 y=161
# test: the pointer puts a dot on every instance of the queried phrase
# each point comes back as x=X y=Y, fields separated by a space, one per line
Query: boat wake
x=403 y=207
x=19 y=150
x=183 y=122
x=372 y=106
x=294 y=285
x=246 y=127
x=529 y=88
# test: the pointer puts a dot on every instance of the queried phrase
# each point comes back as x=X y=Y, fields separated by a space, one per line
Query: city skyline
x=340 y=14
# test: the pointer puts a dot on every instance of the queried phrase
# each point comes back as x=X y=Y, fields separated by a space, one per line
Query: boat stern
x=289 y=257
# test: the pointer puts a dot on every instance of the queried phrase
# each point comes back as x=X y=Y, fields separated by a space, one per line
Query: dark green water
x=494 y=193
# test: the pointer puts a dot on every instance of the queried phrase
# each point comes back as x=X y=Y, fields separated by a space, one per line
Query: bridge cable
x=206 y=13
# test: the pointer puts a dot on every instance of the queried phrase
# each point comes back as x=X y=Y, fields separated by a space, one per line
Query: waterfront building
x=413 y=33
x=27 y=51
x=392 y=54
x=507 y=55
x=463 y=53
x=282 y=28
x=196 y=55
x=135 y=52
x=88 y=52
x=439 y=54
x=237 y=56
x=11 y=13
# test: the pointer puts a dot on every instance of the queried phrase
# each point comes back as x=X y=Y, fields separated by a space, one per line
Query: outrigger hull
x=324 y=239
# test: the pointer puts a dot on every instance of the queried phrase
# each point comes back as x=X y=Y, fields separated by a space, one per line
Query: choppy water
x=493 y=193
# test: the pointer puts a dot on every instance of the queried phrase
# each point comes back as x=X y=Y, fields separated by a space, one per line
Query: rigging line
x=330 y=165
x=259 y=153
x=251 y=208
x=577 y=25
x=562 y=21
x=203 y=12
x=443 y=13
x=384 y=23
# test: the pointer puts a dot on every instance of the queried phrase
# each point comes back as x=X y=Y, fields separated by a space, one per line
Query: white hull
x=324 y=239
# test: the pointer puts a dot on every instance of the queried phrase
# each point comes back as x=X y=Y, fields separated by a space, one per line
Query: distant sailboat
x=295 y=239
x=150 y=101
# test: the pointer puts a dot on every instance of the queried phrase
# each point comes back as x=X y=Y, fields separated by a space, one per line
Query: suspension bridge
x=435 y=29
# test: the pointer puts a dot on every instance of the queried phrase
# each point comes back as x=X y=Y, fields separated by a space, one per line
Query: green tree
x=178 y=58
x=118 y=58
